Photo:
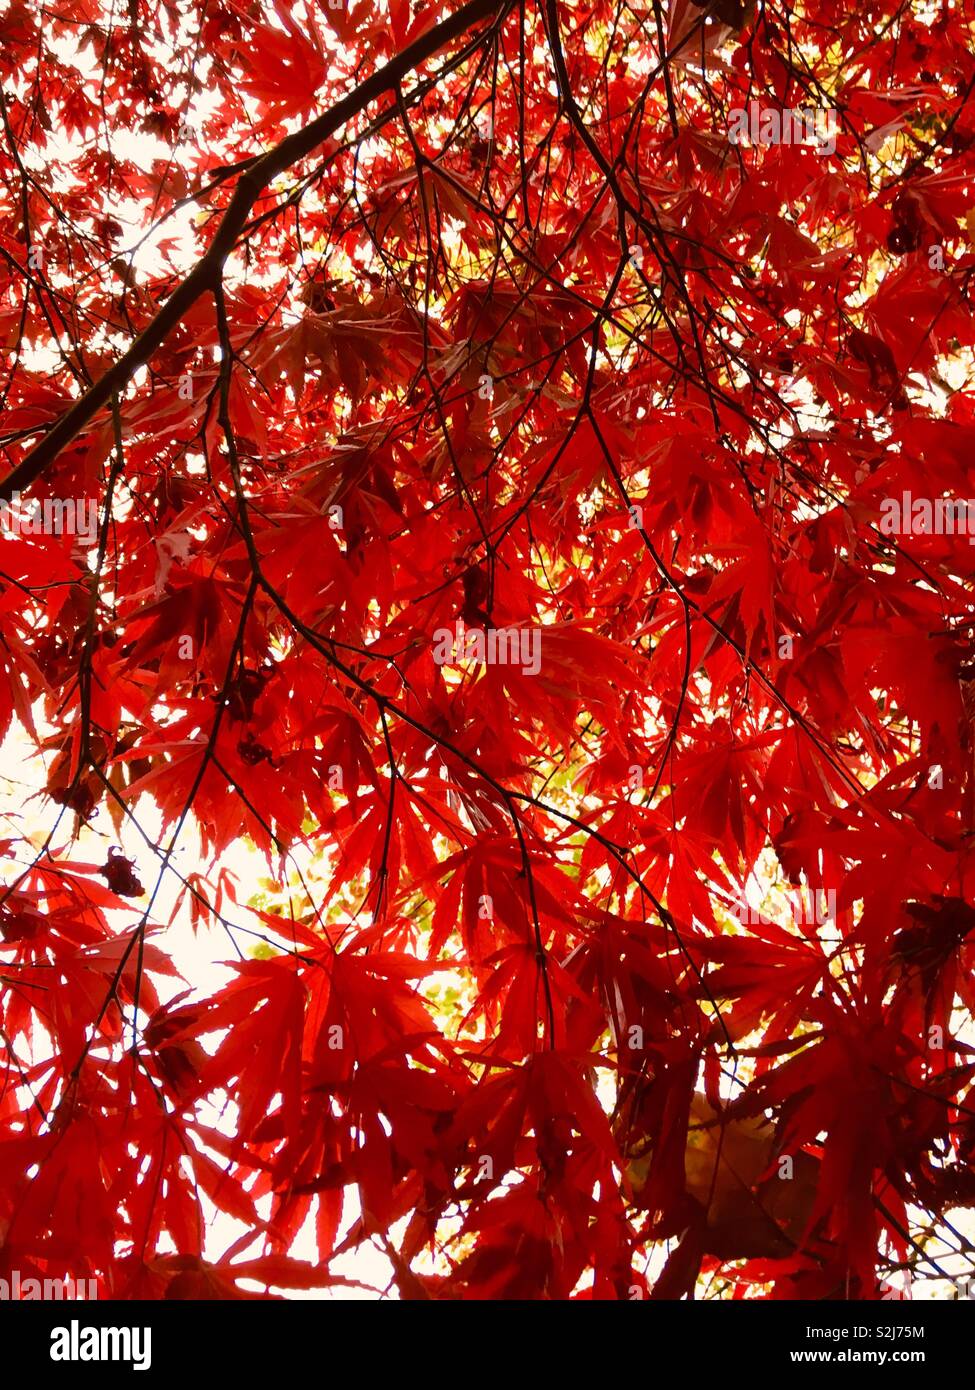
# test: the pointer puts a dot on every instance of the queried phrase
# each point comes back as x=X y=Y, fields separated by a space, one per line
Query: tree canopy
x=505 y=468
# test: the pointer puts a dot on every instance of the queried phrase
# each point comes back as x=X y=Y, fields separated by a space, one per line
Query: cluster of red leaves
x=436 y=385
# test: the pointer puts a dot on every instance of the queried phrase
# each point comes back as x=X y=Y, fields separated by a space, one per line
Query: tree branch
x=206 y=273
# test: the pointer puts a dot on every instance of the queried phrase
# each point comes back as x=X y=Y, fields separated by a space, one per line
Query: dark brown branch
x=205 y=274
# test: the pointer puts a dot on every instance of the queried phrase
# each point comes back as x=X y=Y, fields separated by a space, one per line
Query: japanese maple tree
x=490 y=424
